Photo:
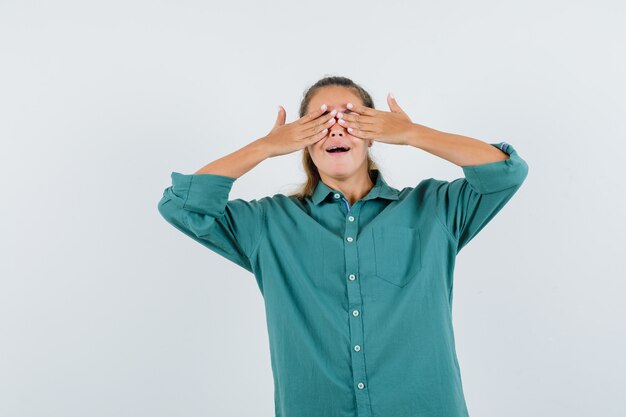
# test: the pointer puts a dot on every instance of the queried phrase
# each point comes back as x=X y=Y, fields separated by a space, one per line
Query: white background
x=107 y=310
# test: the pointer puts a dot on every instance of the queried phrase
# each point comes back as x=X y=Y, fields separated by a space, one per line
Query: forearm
x=458 y=149
x=237 y=163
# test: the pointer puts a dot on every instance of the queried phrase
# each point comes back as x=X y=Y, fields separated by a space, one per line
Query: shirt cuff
x=202 y=193
x=500 y=175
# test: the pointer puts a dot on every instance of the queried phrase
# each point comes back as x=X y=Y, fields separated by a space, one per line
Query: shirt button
x=351 y=218
x=351 y=277
x=349 y=239
x=360 y=385
x=337 y=196
x=355 y=313
x=357 y=348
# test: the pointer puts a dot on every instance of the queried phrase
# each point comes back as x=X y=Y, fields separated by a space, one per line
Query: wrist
x=261 y=147
x=419 y=134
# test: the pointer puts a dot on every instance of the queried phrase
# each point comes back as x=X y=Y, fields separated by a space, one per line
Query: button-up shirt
x=358 y=297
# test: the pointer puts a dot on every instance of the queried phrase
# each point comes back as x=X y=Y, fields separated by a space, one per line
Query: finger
x=367 y=127
x=315 y=114
x=362 y=134
x=356 y=117
x=315 y=126
x=316 y=137
x=325 y=119
x=357 y=108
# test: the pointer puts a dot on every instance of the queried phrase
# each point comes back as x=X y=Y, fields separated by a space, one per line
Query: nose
x=337 y=130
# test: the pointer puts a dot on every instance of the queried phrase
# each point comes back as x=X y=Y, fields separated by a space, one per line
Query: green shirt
x=358 y=299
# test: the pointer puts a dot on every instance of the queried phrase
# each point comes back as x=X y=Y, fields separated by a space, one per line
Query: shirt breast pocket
x=397 y=253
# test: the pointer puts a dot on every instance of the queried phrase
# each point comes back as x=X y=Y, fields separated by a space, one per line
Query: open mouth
x=337 y=149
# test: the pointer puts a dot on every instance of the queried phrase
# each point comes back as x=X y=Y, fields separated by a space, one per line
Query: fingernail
x=279 y=109
x=323 y=107
x=349 y=105
x=391 y=95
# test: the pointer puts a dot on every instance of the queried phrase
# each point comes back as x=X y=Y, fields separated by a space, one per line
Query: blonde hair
x=312 y=174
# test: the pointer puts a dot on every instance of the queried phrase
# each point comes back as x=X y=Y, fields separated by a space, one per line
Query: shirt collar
x=380 y=190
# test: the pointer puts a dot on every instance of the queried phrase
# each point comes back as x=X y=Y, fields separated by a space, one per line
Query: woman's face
x=339 y=164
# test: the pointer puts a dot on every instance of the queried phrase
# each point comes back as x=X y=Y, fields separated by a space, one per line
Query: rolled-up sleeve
x=198 y=205
x=466 y=205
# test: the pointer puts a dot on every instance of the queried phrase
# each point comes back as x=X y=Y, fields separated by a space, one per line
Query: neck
x=353 y=187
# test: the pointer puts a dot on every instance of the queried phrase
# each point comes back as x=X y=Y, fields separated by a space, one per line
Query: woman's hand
x=291 y=137
x=393 y=127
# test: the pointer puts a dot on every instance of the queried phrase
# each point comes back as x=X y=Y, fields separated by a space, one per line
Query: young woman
x=356 y=275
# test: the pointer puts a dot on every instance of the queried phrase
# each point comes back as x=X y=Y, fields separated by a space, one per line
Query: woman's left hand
x=393 y=127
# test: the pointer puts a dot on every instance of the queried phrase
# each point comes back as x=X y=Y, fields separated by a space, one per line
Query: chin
x=340 y=170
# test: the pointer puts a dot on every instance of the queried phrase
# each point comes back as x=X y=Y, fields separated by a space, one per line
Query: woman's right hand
x=291 y=137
